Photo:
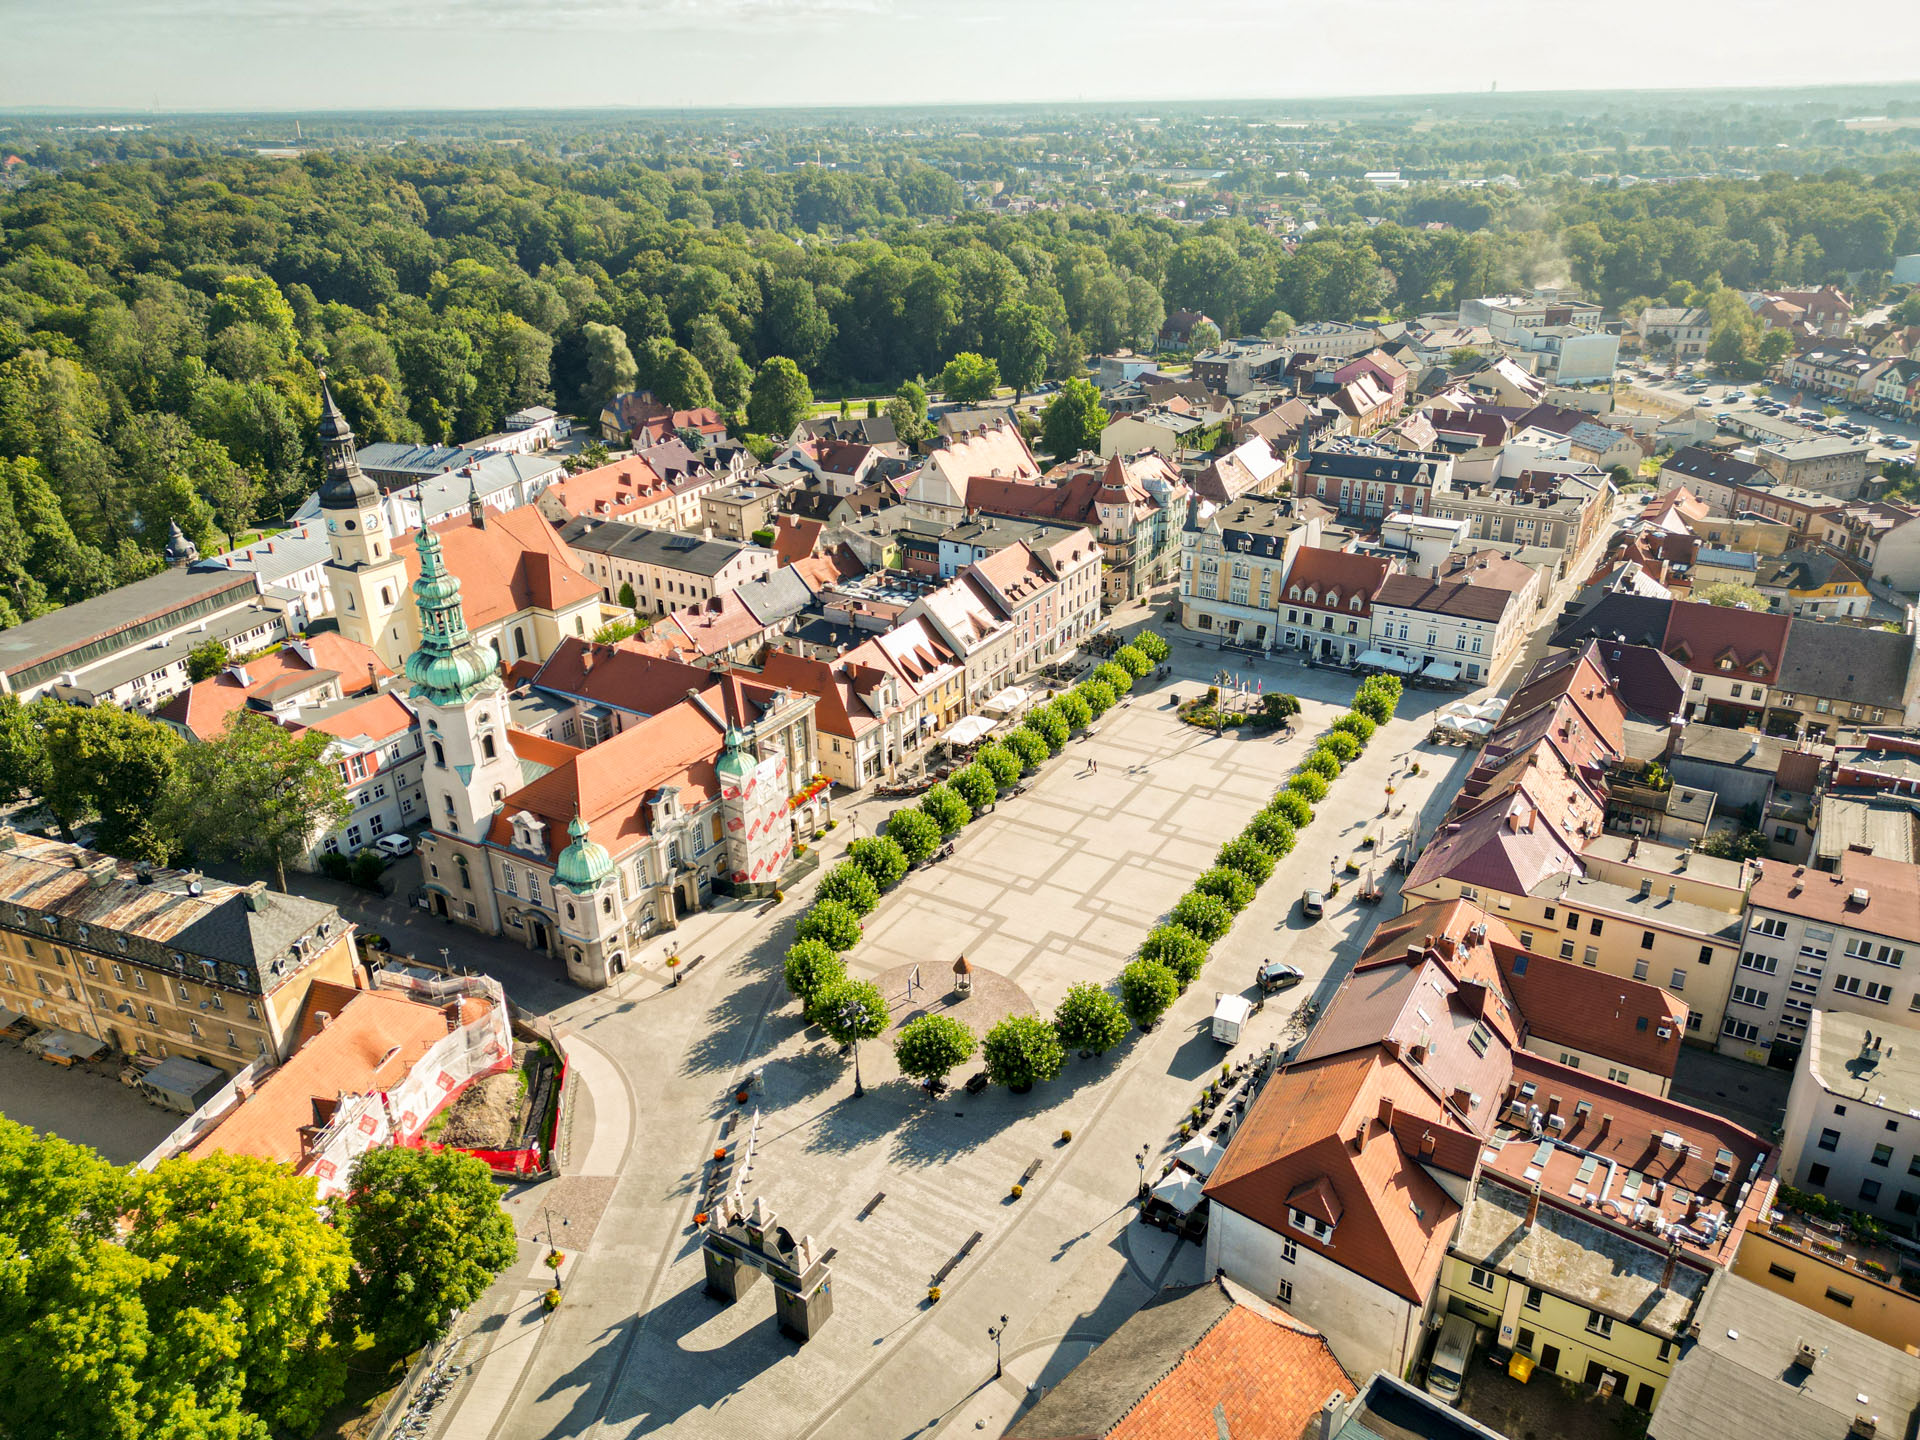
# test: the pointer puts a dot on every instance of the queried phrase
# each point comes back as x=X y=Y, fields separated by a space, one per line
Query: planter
x=699 y=1217
x=550 y=1301
x=1018 y=1191
x=740 y=1097
x=720 y=1153
x=1025 y=1087
x=933 y=1294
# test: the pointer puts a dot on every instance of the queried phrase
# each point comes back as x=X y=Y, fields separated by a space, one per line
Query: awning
x=1476 y=727
x=1381 y=660
x=9 y=1018
x=965 y=732
x=1007 y=702
x=1443 y=670
x=1179 y=1190
x=1200 y=1155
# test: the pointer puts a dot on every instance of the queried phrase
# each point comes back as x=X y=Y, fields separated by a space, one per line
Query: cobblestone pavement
x=86 y=1104
x=1054 y=887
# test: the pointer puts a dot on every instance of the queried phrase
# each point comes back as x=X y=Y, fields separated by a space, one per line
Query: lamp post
x=851 y=1015
x=996 y=1331
x=1141 y=1160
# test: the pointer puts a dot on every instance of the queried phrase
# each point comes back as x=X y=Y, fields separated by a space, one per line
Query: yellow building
x=1640 y=932
x=1838 y=1281
x=161 y=962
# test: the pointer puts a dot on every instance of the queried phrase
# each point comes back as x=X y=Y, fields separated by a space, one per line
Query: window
x=1598 y=1324
x=1816 y=1175
x=1869 y=1190
x=1739 y=1030
x=1285 y=1292
x=1640 y=972
x=1593 y=926
x=1526 y=943
x=1866 y=990
x=1747 y=995
x=1780 y=1272
x=1289 y=1249
x=1590 y=956
x=1771 y=925
x=1908 y=1203
x=1480 y=1279
x=1523 y=1342
x=1765 y=964
x=1878 y=954
x=1479 y=1038
x=1829 y=1140
x=1534 y=1296
x=1840 y=1298
x=1566 y=949
x=1619 y=1077
x=1882 y=1156
x=1679 y=980
x=1311 y=1224
x=1573 y=920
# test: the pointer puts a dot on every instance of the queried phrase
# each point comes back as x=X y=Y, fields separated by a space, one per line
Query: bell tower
x=461 y=703
x=365 y=578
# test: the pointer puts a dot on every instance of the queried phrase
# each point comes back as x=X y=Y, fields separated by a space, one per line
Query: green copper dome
x=583 y=864
x=737 y=760
x=450 y=665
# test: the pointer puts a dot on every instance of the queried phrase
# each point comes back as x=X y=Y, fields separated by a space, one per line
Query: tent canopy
x=1180 y=1190
x=1381 y=660
x=965 y=732
x=1200 y=1155
x=1443 y=670
x=65 y=1045
x=1009 y=701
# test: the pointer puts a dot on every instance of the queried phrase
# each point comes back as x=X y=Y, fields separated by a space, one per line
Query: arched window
x=439 y=755
x=350 y=604
x=1294 y=594
x=452 y=813
x=499 y=793
x=606 y=905
x=466 y=877
x=1354 y=604
x=486 y=746
x=386 y=594
x=570 y=914
x=519 y=643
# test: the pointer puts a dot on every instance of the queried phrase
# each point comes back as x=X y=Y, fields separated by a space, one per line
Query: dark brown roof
x=1444 y=597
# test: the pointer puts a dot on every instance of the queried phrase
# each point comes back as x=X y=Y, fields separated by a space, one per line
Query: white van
x=1230 y=1012
x=1447 y=1371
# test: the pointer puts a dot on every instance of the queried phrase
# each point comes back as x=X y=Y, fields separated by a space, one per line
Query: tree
x=1118 y=676
x=1089 y=1020
x=1309 y=785
x=930 y=1047
x=1248 y=858
x=1203 y=336
x=1134 y=660
x=1732 y=594
x=206 y=660
x=1272 y=832
x=117 y=767
x=850 y=1010
x=1277 y=707
x=1147 y=989
x=1073 y=708
x=832 y=923
x=975 y=785
x=243 y=1253
x=968 y=378
x=1279 y=325
x=1073 y=419
x=1025 y=344
x=427 y=1235
x=809 y=968
x=259 y=793
x=1044 y=722
x=611 y=368
x=909 y=426
x=1292 y=806
x=999 y=762
x=781 y=397
x=1204 y=915
x=1027 y=747
x=1343 y=746
x=1230 y=887
x=23 y=749
x=1099 y=696
x=1461 y=357
x=627 y=597
x=1355 y=724
x=1179 y=949
x=675 y=376
x=1022 y=1050
x=1322 y=762
x=1774 y=346
x=1907 y=312
x=1150 y=644
x=884 y=860
x=946 y=809
x=852 y=886
x=916 y=833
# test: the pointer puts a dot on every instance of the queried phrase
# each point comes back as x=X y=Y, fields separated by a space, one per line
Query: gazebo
x=962 y=977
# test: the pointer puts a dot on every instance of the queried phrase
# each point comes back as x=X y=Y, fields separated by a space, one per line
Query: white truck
x=1230 y=1012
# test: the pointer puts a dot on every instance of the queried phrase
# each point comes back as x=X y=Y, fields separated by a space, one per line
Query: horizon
x=219 y=57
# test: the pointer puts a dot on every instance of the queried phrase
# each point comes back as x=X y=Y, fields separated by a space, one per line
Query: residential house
x=1852 y=1131
x=1135 y=505
x=972 y=627
x=1170 y=429
x=665 y=569
x=1551 y=509
x=1366 y=479
x=158 y=963
x=1827 y=466
x=1733 y=655
x=740 y=511
x=1238 y=366
x=939 y=489
x=1451 y=627
x=307 y=673
x=632 y=490
x=1250 y=468
x=1812 y=584
x=1828 y=941
x=1679 y=331
x=1050 y=591
x=1329 y=603
x=1824 y=311
x=1200 y=1359
x=1629 y=1030
x=1883 y=534
x=1841 y=675
x=1234 y=563
x=637 y=417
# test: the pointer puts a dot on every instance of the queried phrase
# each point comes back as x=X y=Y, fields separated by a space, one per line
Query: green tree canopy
x=850 y=1010
x=1073 y=419
x=930 y=1047
x=259 y=793
x=1022 y=1050
x=1089 y=1020
x=781 y=397
x=916 y=833
x=968 y=378
x=1147 y=989
x=884 y=860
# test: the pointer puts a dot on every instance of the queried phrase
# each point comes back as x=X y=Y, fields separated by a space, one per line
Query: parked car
x=1278 y=975
x=394 y=845
x=1313 y=904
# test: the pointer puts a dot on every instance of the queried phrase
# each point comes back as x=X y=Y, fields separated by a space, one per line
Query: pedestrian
x=1096 y=767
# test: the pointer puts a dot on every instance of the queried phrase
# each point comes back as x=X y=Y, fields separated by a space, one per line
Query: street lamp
x=851 y=1014
x=1141 y=1161
x=996 y=1331
x=548 y=1214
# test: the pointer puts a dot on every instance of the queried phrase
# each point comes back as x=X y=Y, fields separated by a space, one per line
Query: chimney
x=1427 y=1145
x=1386 y=1112
x=324 y=1017
x=1462 y=1099
x=1418 y=1054
x=1673 y=1261
x=1606 y=1124
x=1533 y=1206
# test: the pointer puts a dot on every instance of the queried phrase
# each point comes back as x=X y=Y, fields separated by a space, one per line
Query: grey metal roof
x=670 y=549
x=775 y=597
x=72 y=626
x=1846 y=662
x=1741 y=1376
x=151 y=659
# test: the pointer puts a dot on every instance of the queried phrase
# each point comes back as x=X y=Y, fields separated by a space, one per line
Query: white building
x=1472 y=629
x=1853 y=1117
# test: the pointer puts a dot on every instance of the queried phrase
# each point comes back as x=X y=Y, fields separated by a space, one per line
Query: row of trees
x=256 y=792
x=1019 y=1050
x=209 y=1298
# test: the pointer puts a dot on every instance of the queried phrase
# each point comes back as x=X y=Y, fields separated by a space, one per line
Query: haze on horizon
x=257 y=55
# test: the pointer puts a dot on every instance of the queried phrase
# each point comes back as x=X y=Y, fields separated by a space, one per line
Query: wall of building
x=1835 y=1290
x=1369 y=1327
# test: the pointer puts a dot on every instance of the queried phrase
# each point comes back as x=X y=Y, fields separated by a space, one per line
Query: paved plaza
x=1054 y=887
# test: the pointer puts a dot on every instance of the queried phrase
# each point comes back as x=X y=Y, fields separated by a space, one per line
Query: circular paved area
x=994 y=996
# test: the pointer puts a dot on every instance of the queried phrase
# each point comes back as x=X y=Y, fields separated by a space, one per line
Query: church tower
x=366 y=579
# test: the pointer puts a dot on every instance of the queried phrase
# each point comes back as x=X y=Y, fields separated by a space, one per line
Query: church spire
x=343 y=485
x=450 y=666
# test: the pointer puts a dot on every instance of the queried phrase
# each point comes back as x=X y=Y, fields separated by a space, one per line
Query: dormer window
x=1726 y=664
x=1309 y=1224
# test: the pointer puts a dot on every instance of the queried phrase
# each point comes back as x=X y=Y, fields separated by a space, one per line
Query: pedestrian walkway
x=606 y=1147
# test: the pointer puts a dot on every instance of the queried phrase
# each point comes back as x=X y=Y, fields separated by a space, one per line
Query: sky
x=551 y=54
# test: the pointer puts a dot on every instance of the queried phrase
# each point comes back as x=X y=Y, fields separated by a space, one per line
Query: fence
x=189 y=1130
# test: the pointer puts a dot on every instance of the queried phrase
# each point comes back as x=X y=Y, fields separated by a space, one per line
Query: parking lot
x=1889 y=438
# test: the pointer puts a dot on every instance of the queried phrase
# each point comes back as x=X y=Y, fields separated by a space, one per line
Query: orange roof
x=350 y=1042
x=1321 y=1124
x=513 y=563
x=378 y=717
x=614 y=491
x=1566 y=1004
x=203 y=708
x=795 y=537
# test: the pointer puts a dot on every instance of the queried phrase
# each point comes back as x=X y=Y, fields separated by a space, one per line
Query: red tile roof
x=513 y=563
x=205 y=707
x=1699 y=636
x=1590 y=1010
x=378 y=717
x=1337 y=573
x=795 y=537
x=1888 y=892
x=1444 y=597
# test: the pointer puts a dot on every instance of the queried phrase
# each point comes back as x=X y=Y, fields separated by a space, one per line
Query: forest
x=164 y=316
